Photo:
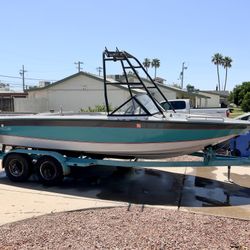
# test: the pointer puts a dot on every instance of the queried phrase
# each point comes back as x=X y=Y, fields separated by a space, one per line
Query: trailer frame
x=52 y=166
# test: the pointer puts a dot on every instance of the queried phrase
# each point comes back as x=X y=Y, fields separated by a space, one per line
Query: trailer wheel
x=49 y=170
x=17 y=167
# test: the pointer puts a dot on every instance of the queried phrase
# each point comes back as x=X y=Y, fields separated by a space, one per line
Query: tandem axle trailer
x=52 y=166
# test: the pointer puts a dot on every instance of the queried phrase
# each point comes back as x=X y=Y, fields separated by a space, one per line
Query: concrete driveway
x=202 y=190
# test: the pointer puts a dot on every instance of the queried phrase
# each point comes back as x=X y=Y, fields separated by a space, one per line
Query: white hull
x=140 y=150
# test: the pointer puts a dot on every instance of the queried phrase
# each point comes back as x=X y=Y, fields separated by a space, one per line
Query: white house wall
x=31 y=105
x=212 y=102
x=73 y=94
x=80 y=91
x=170 y=94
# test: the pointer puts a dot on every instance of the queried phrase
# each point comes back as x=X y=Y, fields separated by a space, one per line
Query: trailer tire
x=49 y=170
x=17 y=167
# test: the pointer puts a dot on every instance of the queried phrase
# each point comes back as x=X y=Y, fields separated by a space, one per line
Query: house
x=74 y=93
x=82 y=90
x=7 y=100
x=217 y=98
x=198 y=100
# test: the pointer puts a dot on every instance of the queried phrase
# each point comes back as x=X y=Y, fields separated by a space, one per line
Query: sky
x=48 y=36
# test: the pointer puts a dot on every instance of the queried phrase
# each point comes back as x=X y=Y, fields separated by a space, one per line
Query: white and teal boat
x=138 y=128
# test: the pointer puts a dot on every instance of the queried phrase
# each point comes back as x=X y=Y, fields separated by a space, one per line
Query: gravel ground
x=118 y=228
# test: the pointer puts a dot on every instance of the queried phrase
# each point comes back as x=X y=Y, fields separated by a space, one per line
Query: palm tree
x=217 y=59
x=146 y=63
x=155 y=64
x=227 y=63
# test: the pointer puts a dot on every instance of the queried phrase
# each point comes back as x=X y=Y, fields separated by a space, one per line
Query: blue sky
x=48 y=36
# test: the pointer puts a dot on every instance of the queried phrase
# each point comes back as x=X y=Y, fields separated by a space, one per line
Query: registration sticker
x=138 y=125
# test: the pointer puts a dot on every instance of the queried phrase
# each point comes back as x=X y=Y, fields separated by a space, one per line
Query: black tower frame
x=130 y=62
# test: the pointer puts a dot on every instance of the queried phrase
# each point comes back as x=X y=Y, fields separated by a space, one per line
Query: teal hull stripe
x=113 y=135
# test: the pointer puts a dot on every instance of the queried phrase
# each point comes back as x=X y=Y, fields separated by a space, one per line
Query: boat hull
x=122 y=138
x=137 y=150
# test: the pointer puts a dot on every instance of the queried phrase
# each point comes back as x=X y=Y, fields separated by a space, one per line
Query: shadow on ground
x=144 y=186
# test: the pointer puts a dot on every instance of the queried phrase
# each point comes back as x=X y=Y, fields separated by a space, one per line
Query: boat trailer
x=52 y=166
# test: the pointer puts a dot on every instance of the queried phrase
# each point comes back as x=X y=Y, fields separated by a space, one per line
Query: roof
x=66 y=79
x=100 y=78
x=182 y=91
x=13 y=94
x=215 y=92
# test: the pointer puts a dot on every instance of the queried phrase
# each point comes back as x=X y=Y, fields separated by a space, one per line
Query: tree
x=245 y=88
x=234 y=95
x=227 y=63
x=146 y=63
x=240 y=95
x=155 y=64
x=245 y=105
x=217 y=59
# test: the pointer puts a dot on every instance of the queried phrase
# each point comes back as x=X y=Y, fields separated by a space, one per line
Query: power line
x=38 y=79
x=12 y=83
x=27 y=78
x=24 y=84
x=17 y=77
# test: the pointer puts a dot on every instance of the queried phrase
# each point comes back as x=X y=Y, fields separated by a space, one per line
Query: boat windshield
x=140 y=104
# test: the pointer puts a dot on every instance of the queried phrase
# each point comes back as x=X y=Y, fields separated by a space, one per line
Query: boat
x=138 y=128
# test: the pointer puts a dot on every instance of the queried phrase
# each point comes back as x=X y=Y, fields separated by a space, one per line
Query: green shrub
x=97 y=108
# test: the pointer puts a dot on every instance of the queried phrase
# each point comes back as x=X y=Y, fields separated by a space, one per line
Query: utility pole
x=182 y=74
x=99 y=69
x=22 y=72
x=79 y=65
